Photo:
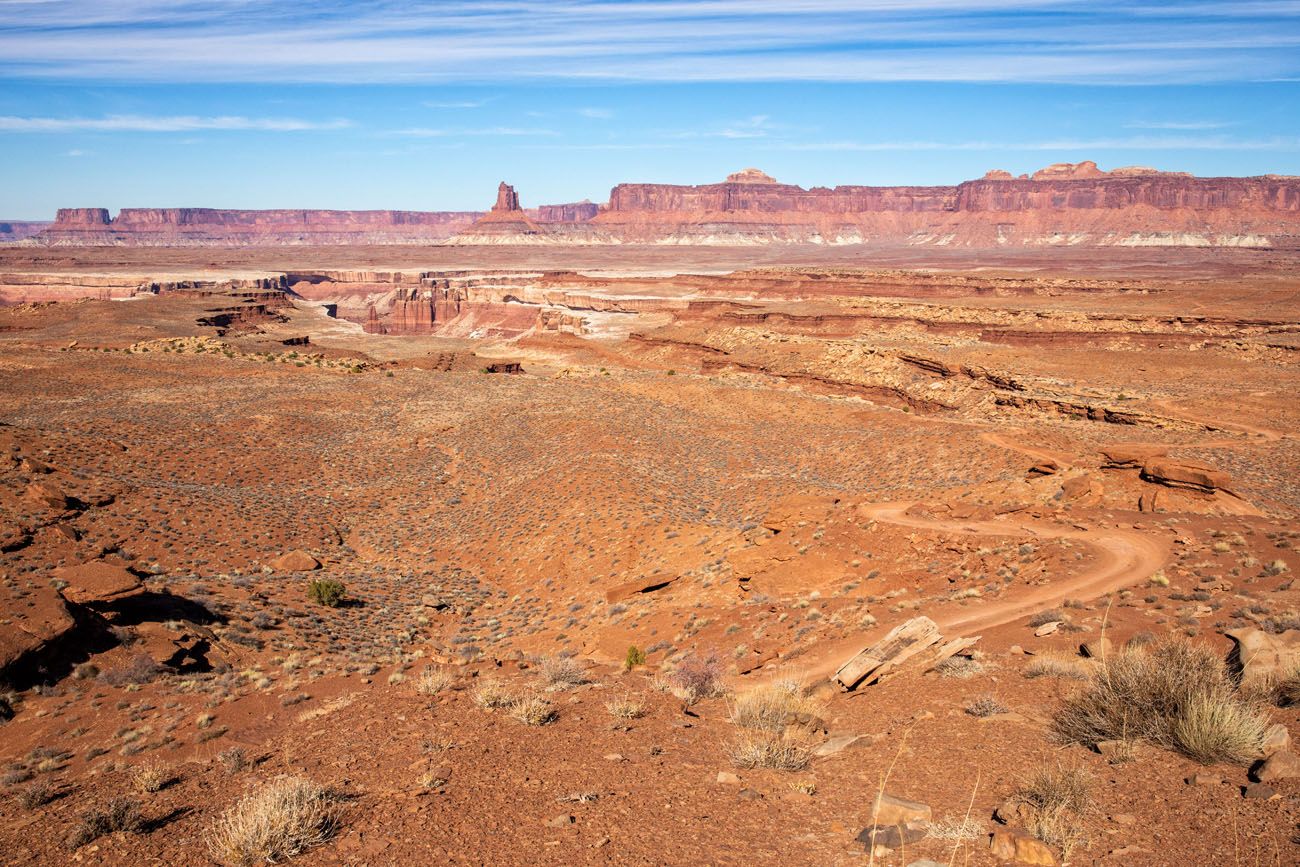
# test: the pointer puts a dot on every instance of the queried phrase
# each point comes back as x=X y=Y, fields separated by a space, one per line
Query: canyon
x=1063 y=205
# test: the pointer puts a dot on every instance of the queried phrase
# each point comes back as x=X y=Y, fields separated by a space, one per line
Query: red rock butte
x=1066 y=204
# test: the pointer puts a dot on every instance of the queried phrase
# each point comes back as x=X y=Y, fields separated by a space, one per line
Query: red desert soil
x=751 y=465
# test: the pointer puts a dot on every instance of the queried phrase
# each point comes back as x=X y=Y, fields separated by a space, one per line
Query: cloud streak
x=355 y=41
x=173 y=123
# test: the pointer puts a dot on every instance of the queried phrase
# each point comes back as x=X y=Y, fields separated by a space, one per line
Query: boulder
x=893 y=836
x=48 y=495
x=1264 y=658
x=1276 y=738
x=1009 y=844
x=1282 y=765
x=295 y=561
x=1185 y=474
x=893 y=810
x=97 y=581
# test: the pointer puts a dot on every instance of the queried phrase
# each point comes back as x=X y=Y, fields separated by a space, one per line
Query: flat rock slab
x=97 y=581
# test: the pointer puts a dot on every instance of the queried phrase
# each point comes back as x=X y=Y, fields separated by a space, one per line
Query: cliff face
x=1062 y=204
x=1068 y=203
x=17 y=230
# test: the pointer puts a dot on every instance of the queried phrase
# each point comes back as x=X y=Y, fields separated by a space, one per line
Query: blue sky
x=426 y=106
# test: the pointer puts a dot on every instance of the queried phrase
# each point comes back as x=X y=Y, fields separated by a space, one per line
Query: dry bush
x=278 y=820
x=771 y=707
x=1058 y=665
x=533 y=710
x=434 y=680
x=119 y=814
x=625 y=708
x=986 y=705
x=768 y=750
x=562 y=672
x=491 y=694
x=152 y=777
x=38 y=794
x=1173 y=693
x=697 y=676
x=1053 y=805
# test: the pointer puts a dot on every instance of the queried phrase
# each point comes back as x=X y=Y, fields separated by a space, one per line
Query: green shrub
x=635 y=656
x=326 y=591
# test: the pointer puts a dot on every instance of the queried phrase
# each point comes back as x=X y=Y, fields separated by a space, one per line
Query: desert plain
x=650 y=553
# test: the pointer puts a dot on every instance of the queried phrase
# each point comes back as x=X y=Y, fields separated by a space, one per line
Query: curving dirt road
x=1124 y=558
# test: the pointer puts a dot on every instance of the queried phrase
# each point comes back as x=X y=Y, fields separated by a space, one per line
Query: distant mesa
x=1064 y=204
x=750 y=176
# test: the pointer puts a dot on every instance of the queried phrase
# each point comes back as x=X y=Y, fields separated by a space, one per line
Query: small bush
x=152 y=777
x=1173 y=693
x=770 y=751
x=697 y=676
x=770 y=708
x=562 y=672
x=36 y=795
x=326 y=591
x=141 y=668
x=233 y=760
x=1048 y=616
x=1053 y=804
x=533 y=710
x=434 y=680
x=625 y=708
x=119 y=814
x=984 y=706
x=635 y=657
x=961 y=667
x=284 y=817
x=491 y=694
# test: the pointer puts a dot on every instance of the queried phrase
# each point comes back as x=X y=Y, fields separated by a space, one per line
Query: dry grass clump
x=763 y=749
x=152 y=777
x=562 y=672
x=1053 y=804
x=1173 y=693
x=434 y=680
x=625 y=708
x=955 y=830
x=771 y=707
x=533 y=710
x=961 y=667
x=1057 y=665
x=491 y=694
x=280 y=819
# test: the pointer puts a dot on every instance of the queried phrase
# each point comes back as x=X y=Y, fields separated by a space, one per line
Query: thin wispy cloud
x=596 y=113
x=174 y=123
x=1104 y=41
x=508 y=131
x=1084 y=145
x=468 y=103
x=1187 y=125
